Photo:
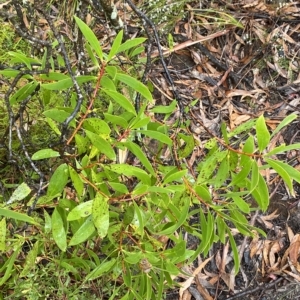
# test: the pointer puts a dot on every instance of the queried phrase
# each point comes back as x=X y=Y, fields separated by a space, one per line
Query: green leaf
x=183 y=213
x=262 y=133
x=188 y=147
x=235 y=252
x=287 y=120
x=254 y=175
x=127 y=170
x=2 y=234
x=241 y=204
x=280 y=169
x=177 y=176
x=138 y=220
x=100 y=270
x=164 y=109
x=283 y=148
x=242 y=175
x=137 y=151
x=21 y=192
x=203 y=192
x=116 y=120
x=23 y=92
x=67 y=83
x=58 y=180
x=242 y=128
x=57 y=115
x=121 y=100
x=17 y=216
x=221 y=229
x=209 y=166
x=100 y=214
x=9 y=266
x=90 y=37
x=82 y=143
x=130 y=44
x=135 y=84
x=261 y=194
x=224 y=133
x=83 y=210
x=85 y=231
x=97 y=126
x=157 y=136
x=222 y=173
x=77 y=181
x=58 y=230
x=101 y=144
x=45 y=153
x=115 y=46
x=21 y=58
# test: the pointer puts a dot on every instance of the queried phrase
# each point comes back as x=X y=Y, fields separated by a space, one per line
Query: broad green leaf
x=90 y=37
x=116 y=120
x=100 y=214
x=262 y=133
x=101 y=144
x=137 y=151
x=128 y=215
x=177 y=176
x=2 y=234
x=127 y=170
x=21 y=192
x=138 y=220
x=30 y=261
x=107 y=83
x=210 y=232
x=121 y=100
x=287 y=120
x=48 y=222
x=97 y=126
x=130 y=44
x=241 y=204
x=135 y=84
x=248 y=148
x=54 y=76
x=58 y=230
x=280 y=169
x=83 y=210
x=203 y=192
x=57 y=115
x=53 y=126
x=235 y=252
x=100 y=270
x=77 y=181
x=17 y=216
x=85 y=231
x=58 y=180
x=139 y=123
x=23 y=92
x=238 y=216
x=115 y=46
x=157 y=136
x=45 y=153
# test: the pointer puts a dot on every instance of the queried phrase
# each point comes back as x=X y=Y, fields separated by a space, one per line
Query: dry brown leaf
x=294 y=249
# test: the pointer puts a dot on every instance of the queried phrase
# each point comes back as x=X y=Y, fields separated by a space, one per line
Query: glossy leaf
x=82 y=210
x=115 y=46
x=45 y=153
x=58 y=180
x=58 y=230
x=85 y=231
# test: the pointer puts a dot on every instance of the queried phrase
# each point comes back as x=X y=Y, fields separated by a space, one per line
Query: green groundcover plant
x=119 y=235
